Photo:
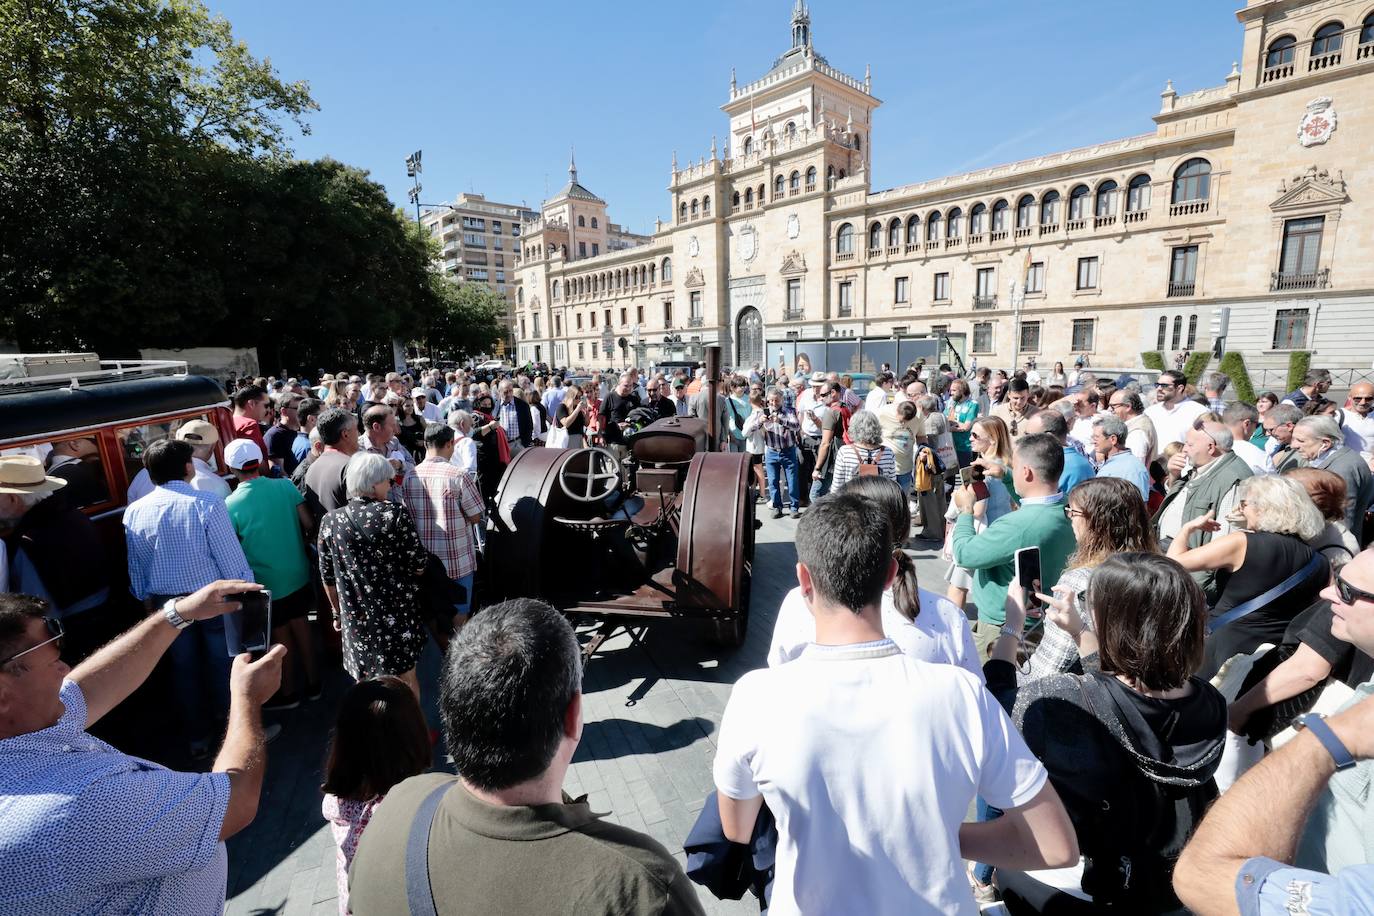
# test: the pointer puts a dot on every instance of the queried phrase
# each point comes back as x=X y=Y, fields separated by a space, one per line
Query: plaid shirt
x=780 y=430
x=439 y=497
x=510 y=420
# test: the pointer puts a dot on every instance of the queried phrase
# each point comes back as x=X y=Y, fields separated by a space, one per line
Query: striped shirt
x=850 y=457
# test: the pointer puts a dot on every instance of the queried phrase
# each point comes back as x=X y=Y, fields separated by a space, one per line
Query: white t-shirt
x=1254 y=456
x=465 y=455
x=940 y=633
x=869 y=760
x=876 y=400
x=1172 y=425
x=1359 y=433
x=1082 y=432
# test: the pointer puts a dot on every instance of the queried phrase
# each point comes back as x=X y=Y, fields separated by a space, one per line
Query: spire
x=801 y=25
x=713 y=147
x=868 y=78
x=732 y=81
x=674 y=162
x=572 y=165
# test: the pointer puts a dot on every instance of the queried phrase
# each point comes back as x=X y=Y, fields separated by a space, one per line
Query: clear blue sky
x=495 y=93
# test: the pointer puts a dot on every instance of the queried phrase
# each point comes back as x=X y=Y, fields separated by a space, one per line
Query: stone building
x=1230 y=207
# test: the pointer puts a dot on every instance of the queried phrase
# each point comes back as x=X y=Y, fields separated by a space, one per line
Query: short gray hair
x=1218 y=382
x=1219 y=433
x=1285 y=413
x=926 y=403
x=460 y=419
x=1323 y=427
x=864 y=428
x=1239 y=411
x=364 y=471
x=1111 y=426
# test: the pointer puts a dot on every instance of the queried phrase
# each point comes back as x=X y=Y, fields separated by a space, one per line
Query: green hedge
x=1196 y=365
x=1233 y=364
x=1299 y=361
x=1153 y=359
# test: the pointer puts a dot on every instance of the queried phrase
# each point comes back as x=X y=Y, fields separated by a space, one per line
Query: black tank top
x=1269 y=559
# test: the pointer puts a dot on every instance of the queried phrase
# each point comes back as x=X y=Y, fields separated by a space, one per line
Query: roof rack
x=29 y=372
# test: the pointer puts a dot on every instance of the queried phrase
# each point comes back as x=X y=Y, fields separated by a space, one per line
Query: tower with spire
x=801 y=25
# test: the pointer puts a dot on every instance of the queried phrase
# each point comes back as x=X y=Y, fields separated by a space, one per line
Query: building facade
x=480 y=242
x=1237 y=214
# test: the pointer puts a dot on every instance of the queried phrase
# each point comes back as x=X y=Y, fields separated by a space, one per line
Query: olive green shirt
x=503 y=861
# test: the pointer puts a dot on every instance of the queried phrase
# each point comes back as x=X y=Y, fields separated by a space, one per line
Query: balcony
x=844 y=256
x=997 y=235
x=792 y=314
x=1136 y=216
x=893 y=249
x=1277 y=72
x=695 y=321
x=844 y=311
x=954 y=242
x=1077 y=225
x=912 y=247
x=793 y=192
x=976 y=238
x=931 y=246
x=1188 y=208
x=1317 y=279
x=1101 y=221
x=985 y=302
x=1023 y=232
x=810 y=187
x=1049 y=229
x=1323 y=61
x=1182 y=290
x=874 y=252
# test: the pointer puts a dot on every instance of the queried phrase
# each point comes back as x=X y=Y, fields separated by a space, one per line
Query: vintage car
x=666 y=533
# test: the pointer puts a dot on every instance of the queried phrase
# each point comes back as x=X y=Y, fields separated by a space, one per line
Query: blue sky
x=495 y=93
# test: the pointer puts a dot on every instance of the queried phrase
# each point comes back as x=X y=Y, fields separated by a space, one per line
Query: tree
x=468 y=319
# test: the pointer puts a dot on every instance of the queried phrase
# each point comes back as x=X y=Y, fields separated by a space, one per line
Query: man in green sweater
x=1037 y=462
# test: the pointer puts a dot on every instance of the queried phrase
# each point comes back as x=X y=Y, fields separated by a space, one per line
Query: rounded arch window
x=667 y=269
x=811 y=176
x=778 y=184
x=1327 y=39
x=1367 y=30
x=748 y=196
x=1192 y=181
x=794 y=181
x=557 y=287
x=1138 y=194
x=1049 y=209
x=977 y=218
x=1078 y=202
x=1024 y=207
x=682 y=210
x=844 y=239
x=594 y=222
x=894 y=233
x=696 y=208
x=791 y=129
x=734 y=200
x=999 y=216
x=913 y=229
x=954 y=223
x=706 y=205
x=748 y=145
x=582 y=221
x=933 y=225
x=1105 y=202
x=875 y=236
x=1280 y=51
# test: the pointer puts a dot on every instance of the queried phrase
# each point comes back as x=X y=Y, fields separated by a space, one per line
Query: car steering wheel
x=590 y=475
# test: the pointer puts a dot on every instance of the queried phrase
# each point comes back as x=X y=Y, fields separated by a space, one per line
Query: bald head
x=1362 y=398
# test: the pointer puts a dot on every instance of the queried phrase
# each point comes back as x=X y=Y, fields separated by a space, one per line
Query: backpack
x=867 y=468
x=845 y=413
x=924 y=470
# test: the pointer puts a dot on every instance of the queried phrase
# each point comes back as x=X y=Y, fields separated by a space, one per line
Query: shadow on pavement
x=608 y=739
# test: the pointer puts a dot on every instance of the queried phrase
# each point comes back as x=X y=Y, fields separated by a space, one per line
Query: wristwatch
x=169 y=611
x=1316 y=724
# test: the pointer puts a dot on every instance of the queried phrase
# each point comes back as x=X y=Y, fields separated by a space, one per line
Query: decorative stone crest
x=695 y=278
x=1312 y=188
x=748 y=244
x=793 y=226
x=793 y=263
x=1318 y=124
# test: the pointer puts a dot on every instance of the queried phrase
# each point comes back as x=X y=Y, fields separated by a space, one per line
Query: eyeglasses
x=1354 y=397
x=1115 y=406
x=1350 y=594
x=55 y=634
x=1071 y=512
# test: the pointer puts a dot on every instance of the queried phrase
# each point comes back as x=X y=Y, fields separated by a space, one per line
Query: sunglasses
x=1349 y=593
x=55 y=634
x=1362 y=398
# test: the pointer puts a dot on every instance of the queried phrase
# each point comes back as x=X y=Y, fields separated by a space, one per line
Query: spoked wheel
x=590 y=475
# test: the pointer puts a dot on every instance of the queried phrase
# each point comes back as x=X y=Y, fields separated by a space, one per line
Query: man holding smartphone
x=88 y=828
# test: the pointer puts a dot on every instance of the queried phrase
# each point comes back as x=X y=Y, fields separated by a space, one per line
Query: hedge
x=1233 y=364
x=1153 y=359
x=1196 y=365
x=1299 y=361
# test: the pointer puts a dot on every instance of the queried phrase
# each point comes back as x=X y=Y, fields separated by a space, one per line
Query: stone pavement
x=651 y=711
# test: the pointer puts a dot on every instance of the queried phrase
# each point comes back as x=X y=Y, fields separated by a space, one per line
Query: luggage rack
x=53 y=376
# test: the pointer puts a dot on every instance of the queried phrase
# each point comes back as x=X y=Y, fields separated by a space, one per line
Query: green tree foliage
x=1153 y=359
x=1233 y=364
x=1196 y=365
x=1299 y=361
x=467 y=321
x=147 y=195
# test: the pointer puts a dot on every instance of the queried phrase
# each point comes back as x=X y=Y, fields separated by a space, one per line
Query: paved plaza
x=652 y=710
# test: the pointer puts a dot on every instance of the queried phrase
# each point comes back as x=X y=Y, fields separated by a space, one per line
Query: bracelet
x=1008 y=630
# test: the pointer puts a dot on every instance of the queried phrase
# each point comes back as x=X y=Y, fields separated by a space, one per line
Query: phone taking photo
x=1028 y=573
x=249 y=629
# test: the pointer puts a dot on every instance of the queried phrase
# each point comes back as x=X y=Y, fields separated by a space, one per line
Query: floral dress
x=371 y=552
x=347 y=820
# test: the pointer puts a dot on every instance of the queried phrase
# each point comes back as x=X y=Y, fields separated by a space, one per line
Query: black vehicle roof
x=29 y=414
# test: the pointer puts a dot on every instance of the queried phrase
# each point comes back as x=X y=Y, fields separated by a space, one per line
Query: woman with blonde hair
x=1276 y=520
x=991 y=443
x=571 y=417
x=1327 y=491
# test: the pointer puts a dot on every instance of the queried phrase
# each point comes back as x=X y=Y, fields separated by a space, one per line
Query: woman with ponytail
x=926 y=626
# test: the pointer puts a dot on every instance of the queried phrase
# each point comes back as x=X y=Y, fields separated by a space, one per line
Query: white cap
x=242 y=454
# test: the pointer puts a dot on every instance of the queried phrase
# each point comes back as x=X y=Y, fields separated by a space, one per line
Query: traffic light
x=1221 y=321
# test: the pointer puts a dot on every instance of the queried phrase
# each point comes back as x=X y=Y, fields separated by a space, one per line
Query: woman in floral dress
x=371 y=559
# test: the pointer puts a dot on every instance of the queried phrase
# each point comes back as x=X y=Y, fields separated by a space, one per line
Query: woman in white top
x=464 y=448
x=924 y=625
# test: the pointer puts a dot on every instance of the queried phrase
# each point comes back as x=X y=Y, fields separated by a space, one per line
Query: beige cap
x=197 y=432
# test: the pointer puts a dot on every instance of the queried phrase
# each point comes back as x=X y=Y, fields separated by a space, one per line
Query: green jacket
x=990 y=556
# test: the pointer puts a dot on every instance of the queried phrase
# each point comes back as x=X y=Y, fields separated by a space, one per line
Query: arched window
x=1024 y=208
x=748 y=197
x=1367 y=29
x=830 y=176
x=844 y=239
x=933 y=227
x=652 y=270
x=977 y=219
x=667 y=270
x=811 y=177
x=858 y=141
x=1192 y=181
x=1138 y=194
x=894 y=233
x=875 y=236
x=778 y=184
x=1327 y=40
x=682 y=211
x=519 y=295
x=794 y=181
x=1049 y=209
x=1163 y=332
x=913 y=229
x=695 y=208
x=748 y=145
x=1192 y=332
x=790 y=131
x=999 y=216
x=593 y=222
x=1078 y=202
x=582 y=221
x=954 y=222
x=1178 y=332
x=1280 y=51
x=634 y=276
x=1105 y=203
x=706 y=205
x=762 y=189
x=564 y=251
x=734 y=201
x=557 y=286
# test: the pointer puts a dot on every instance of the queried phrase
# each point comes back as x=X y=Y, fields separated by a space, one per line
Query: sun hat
x=24 y=474
x=243 y=455
x=818 y=378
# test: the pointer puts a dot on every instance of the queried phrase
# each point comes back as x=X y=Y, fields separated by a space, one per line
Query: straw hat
x=24 y=474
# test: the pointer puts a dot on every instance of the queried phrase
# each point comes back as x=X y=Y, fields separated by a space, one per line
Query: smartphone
x=249 y=629
x=966 y=475
x=1028 y=572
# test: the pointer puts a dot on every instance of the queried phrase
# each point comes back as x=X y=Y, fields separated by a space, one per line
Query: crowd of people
x=1174 y=716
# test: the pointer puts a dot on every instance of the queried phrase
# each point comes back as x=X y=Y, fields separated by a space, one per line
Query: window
x=779 y=184
x=734 y=200
x=582 y=222
x=591 y=318
x=706 y=205
x=495 y=227
x=1192 y=181
x=1030 y=337
x=581 y=249
x=580 y=351
x=1082 y=341
x=899 y=291
x=748 y=145
x=794 y=181
x=941 y=292
x=1192 y=331
x=1280 y=51
x=1138 y=194
x=844 y=240
x=1302 y=245
x=986 y=284
x=500 y=276
x=999 y=216
x=682 y=212
x=790 y=130
x=535 y=316
x=1049 y=209
x=933 y=227
x=1078 y=202
x=667 y=270
x=607 y=315
x=557 y=286
x=596 y=248
x=913 y=230
x=1328 y=39
x=1105 y=204
x=1367 y=30
x=476 y=241
x=811 y=177
x=1087 y=273
x=694 y=304
x=624 y=319
x=1290 y=329
x=558 y=325
x=639 y=314
x=668 y=313
x=594 y=226
x=846 y=299
x=1035 y=278
x=982 y=337
x=1183 y=271
x=523 y=335
x=875 y=236
x=953 y=223
x=1177 y=338
x=794 y=305
x=1024 y=206
x=894 y=233
x=1163 y=331
x=696 y=208
x=977 y=218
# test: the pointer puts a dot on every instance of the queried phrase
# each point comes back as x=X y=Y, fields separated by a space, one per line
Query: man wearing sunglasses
x=1320 y=779
x=1173 y=413
x=1359 y=421
x=90 y=829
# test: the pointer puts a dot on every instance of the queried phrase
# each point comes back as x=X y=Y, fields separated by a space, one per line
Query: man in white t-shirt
x=869 y=759
x=1173 y=413
x=1358 y=425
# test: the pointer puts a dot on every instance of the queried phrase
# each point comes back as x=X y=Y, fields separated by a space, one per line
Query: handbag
x=557 y=438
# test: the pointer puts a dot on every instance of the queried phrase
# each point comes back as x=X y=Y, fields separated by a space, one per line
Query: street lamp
x=413 y=170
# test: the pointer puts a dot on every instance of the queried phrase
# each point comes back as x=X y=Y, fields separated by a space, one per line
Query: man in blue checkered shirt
x=179 y=540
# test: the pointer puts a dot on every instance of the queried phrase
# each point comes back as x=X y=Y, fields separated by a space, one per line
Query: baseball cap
x=197 y=432
x=679 y=384
x=242 y=455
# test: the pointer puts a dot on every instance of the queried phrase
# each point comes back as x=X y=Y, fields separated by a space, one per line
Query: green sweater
x=990 y=556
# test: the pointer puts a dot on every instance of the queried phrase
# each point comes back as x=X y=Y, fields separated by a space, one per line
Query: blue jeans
x=777 y=463
x=905 y=480
x=200 y=676
x=821 y=487
x=464 y=606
